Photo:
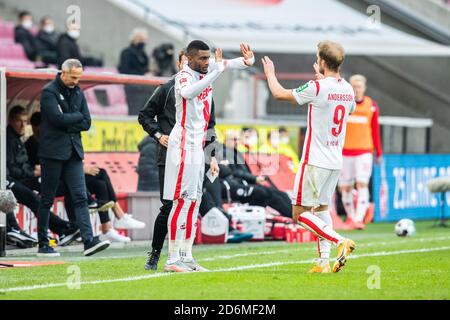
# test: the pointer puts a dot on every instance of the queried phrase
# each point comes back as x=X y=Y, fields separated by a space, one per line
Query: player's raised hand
x=247 y=53
x=319 y=75
x=269 y=67
x=219 y=55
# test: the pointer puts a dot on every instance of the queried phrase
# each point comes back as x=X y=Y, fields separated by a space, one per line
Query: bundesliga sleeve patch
x=183 y=80
x=302 y=88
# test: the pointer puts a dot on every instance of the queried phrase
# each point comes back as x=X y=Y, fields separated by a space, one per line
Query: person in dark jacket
x=147 y=166
x=64 y=115
x=163 y=56
x=68 y=48
x=24 y=178
x=47 y=40
x=23 y=35
x=134 y=60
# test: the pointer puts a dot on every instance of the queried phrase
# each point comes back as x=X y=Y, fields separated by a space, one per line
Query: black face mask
x=140 y=46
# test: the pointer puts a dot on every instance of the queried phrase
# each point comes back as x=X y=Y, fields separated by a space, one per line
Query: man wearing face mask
x=68 y=48
x=134 y=60
x=48 y=39
x=277 y=144
x=249 y=140
x=23 y=35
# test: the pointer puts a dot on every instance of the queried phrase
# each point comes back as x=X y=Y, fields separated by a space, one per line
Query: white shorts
x=356 y=169
x=184 y=172
x=314 y=186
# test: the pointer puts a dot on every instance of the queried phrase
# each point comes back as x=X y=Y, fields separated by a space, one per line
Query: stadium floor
x=383 y=266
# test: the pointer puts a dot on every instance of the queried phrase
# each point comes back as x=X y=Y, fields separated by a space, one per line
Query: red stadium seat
x=276 y=167
x=121 y=168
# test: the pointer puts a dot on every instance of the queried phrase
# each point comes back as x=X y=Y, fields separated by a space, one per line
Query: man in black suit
x=65 y=114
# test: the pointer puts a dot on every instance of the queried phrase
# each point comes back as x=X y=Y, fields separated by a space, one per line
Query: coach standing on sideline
x=64 y=115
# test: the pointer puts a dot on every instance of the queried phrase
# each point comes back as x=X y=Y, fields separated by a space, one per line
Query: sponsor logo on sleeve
x=302 y=88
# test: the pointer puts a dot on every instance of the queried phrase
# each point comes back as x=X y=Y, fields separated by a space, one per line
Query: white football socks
x=317 y=226
x=347 y=201
x=324 y=245
x=362 y=204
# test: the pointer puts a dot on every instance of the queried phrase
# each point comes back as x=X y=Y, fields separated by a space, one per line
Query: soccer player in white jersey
x=330 y=100
x=185 y=161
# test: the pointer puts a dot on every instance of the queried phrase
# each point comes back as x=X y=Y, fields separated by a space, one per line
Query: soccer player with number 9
x=330 y=100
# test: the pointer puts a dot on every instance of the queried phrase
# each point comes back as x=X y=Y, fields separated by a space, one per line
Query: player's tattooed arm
x=278 y=91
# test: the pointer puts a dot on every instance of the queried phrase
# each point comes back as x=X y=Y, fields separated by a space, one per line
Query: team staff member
x=65 y=115
x=158 y=118
x=361 y=141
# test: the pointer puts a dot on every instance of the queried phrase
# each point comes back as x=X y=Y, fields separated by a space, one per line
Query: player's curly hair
x=195 y=46
x=332 y=53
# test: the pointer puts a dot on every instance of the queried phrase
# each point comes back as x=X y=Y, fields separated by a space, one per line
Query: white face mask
x=284 y=140
x=252 y=140
x=275 y=141
x=49 y=28
x=27 y=24
x=74 y=34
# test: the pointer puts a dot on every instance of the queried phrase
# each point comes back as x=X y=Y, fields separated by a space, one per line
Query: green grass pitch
x=383 y=266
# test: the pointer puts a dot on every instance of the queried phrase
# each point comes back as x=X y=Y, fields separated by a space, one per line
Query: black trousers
x=257 y=195
x=101 y=186
x=70 y=172
x=160 y=227
x=24 y=193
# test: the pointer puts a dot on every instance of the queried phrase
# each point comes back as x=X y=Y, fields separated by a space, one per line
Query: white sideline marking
x=292 y=249
x=252 y=266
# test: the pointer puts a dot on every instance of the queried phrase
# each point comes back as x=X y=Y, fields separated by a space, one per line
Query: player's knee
x=345 y=188
x=361 y=185
x=297 y=211
x=321 y=208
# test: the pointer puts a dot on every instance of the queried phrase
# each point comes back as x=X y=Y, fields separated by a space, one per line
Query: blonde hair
x=358 y=78
x=332 y=53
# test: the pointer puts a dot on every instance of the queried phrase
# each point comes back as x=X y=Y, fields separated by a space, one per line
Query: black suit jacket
x=64 y=114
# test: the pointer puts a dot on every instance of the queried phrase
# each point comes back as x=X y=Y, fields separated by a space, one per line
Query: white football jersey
x=192 y=115
x=330 y=101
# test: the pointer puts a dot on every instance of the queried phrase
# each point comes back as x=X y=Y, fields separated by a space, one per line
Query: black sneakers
x=47 y=251
x=20 y=239
x=67 y=238
x=95 y=246
x=153 y=259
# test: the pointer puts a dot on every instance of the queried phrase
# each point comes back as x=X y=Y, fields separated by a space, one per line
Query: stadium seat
x=276 y=167
x=114 y=101
x=16 y=63
x=121 y=168
x=7 y=30
x=12 y=51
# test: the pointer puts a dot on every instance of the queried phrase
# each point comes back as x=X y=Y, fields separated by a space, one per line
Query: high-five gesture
x=278 y=91
x=269 y=67
x=247 y=53
x=219 y=55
